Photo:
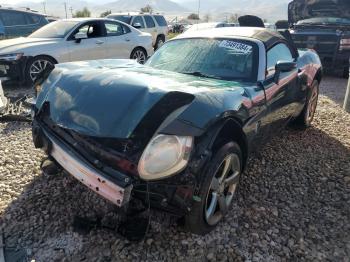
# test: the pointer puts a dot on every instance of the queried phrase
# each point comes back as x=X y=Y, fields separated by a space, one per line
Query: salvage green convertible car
x=178 y=130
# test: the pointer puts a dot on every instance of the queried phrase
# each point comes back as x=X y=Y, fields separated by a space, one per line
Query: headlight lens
x=344 y=44
x=164 y=156
x=11 y=57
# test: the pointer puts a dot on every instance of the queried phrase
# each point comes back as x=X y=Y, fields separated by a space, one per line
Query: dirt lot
x=293 y=203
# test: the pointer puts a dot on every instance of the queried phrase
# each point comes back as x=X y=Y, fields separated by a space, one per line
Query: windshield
x=227 y=59
x=58 y=29
x=325 y=21
x=124 y=18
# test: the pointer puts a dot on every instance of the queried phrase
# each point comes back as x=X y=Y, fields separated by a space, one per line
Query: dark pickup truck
x=323 y=25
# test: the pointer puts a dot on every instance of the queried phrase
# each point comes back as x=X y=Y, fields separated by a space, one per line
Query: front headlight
x=11 y=57
x=344 y=44
x=165 y=155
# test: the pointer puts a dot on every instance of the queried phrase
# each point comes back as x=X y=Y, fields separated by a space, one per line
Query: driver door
x=281 y=95
x=92 y=47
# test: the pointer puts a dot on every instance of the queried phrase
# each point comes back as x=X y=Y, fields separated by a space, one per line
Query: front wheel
x=217 y=191
x=35 y=66
x=307 y=115
x=139 y=55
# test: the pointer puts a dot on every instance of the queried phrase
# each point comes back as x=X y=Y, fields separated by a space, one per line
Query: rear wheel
x=159 y=42
x=307 y=115
x=139 y=55
x=35 y=66
x=217 y=191
x=346 y=72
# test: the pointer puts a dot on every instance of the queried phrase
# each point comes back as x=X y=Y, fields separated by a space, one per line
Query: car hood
x=110 y=98
x=304 y=9
x=16 y=44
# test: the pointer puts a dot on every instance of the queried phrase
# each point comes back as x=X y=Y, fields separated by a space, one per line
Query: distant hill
x=218 y=10
x=269 y=9
x=56 y=7
x=166 y=6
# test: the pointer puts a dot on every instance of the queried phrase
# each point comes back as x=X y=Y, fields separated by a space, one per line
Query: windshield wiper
x=200 y=74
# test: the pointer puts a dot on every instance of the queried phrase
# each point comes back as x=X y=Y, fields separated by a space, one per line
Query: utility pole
x=71 y=11
x=44 y=5
x=65 y=9
x=347 y=95
x=199 y=7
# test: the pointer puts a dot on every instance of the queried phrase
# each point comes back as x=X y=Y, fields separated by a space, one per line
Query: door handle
x=127 y=39
x=99 y=42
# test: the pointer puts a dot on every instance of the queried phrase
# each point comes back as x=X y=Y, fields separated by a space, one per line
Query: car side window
x=280 y=52
x=139 y=20
x=33 y=19
x=160 y=20
x=114 y=29
x=92 y=30
x=149 y=21
x=13 y=18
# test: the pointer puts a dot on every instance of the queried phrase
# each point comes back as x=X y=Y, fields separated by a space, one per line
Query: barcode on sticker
x=237 y=47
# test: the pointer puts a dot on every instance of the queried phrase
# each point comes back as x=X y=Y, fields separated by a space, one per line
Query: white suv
x=154 y=24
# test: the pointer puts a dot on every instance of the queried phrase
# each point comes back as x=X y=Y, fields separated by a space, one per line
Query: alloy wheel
x=139 y=56
x=312 y=104
x=222 y=189
x=37 y=67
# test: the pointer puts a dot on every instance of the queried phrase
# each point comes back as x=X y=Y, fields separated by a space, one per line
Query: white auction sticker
x=238 y=47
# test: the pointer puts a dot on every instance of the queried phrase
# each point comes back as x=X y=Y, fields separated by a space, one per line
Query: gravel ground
x=293 y=203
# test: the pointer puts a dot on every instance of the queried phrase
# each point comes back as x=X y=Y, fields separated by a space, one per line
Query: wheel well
x=319 y=76
x=231 y=130
x=48 y=56
x=139 y=47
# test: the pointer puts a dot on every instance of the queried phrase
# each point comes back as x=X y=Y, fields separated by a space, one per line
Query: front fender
x=209 y=108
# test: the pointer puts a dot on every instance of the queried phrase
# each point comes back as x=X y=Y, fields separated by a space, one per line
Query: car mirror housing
x=137 y=25
x=283 y=67
x=79 y=36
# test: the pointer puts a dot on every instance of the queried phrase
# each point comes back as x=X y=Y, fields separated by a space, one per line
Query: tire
x=159 y=42
x=35 y=66
x=346 y=72
x=305 y=118
x=205 y=215
x=139 y=54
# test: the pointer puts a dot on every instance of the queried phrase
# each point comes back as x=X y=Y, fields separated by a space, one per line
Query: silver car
x=71 y=40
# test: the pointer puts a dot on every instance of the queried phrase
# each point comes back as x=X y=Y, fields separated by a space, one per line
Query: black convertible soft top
x=270 y=38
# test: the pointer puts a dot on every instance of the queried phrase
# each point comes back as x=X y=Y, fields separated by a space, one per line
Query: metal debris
x=18 y=110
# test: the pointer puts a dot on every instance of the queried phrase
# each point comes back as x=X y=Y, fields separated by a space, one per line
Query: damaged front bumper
x=13 y=70
x=116 y=189
x=173 y=195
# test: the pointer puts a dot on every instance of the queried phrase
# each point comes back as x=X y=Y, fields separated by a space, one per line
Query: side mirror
x=137 y=25
x=283 y=67
x=79 y=36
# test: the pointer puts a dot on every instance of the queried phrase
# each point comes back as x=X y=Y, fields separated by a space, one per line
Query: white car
x=156 y=25
x=71 y=40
